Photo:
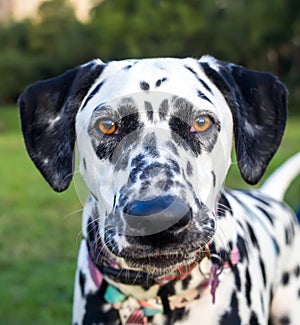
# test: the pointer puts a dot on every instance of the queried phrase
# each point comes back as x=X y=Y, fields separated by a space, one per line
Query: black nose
x=161 y=214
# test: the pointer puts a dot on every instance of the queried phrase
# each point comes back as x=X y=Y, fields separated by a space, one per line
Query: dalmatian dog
x=163 y=241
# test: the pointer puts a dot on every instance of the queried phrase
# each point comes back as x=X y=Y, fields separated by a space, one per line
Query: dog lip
x=167 y=262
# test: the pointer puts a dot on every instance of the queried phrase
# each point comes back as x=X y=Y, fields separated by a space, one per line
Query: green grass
x=39 y=237
x=39 y=231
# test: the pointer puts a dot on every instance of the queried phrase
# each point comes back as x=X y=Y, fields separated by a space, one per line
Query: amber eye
x=107 y=126
x=201 y=124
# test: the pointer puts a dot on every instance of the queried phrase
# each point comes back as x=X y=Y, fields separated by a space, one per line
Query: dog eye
x=107 y=126
x=201 y=124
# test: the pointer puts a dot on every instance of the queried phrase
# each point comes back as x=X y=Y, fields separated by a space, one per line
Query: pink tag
x=95 y=274
x=214 y=281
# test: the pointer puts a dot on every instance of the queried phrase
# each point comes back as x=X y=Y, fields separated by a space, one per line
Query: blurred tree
x=16 y=66
x=150 y=27
x=259 y=34
x=58 y=37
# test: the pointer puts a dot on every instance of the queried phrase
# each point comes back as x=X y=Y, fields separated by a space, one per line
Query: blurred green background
x=40 y=229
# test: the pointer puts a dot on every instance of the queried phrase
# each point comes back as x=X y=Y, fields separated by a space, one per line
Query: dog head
x=154 y=138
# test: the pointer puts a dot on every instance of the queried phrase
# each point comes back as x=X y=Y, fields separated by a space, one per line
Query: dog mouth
x=160 y=264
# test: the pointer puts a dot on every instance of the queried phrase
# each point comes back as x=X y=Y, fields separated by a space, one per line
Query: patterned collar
x=104 y=269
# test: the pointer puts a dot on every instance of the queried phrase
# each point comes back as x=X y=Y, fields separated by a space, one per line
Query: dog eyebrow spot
x=160 y=81
x=184 y=109
x=144 y=85
x=163 y=109
x=149 y=110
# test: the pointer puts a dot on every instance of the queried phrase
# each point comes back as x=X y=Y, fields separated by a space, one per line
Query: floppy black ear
x=258 y=103
x=48 y=109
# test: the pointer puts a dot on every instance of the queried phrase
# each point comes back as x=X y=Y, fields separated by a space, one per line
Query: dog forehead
x=154 y=72
x=181 y=77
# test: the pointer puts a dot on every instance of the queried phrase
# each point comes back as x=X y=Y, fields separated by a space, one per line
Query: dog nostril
x=165 y=213
x=182 y=223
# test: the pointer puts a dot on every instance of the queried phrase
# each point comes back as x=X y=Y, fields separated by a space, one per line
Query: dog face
x=154 y=139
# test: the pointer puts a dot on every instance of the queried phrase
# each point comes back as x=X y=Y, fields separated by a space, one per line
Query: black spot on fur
x=174 y=165
x=253 y=319
x=163 y=109
x=232 y=315
x=198 y=203
x=248 y=286
x=297 y=271
x=223 y=206
x=191 y=70
x=106 y=147
x=189 y=169
x=150 y=145
x=262 y=302
x=203 y=83
x=84 y=163
x=81 y=283
x=266 y=214
x=201 y=95
x=288 y=236
x=172 y=147
x=285 y=278
x=92 y=226
x=144 y=85
x=149 y=110
x=241 y=244
x=276 y=246
x=137 y=165
x=252 y=236
x=263 y=271
x=237 y=277
x=92 y=94
x=160 y=81
x=259 y=197
x=214 y=178
x=128 y=67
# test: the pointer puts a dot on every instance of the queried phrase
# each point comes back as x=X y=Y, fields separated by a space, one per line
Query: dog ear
x=48 y=110
x=258 y=102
